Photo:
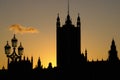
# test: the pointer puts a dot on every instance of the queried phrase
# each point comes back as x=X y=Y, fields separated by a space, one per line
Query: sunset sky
x=100 y=23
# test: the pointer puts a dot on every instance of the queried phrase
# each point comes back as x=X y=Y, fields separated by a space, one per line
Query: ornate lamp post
x=14 y=56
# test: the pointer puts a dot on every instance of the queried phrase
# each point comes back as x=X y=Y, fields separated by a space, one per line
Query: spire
x=78 y=21
x=58 y=18
x=86 y=54
x=39 y=63
x=78 y=17
x=32 y=61
x=58 y=21
x=68 y=7
x=113 y=52
x=68 y=20
x=113 y=41
x=113 y=46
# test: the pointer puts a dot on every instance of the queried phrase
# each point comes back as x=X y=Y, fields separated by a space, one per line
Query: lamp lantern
x=14 y=41
x=20 y=49
x=7 y=49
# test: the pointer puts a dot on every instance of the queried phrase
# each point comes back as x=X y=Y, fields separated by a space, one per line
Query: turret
x=78 y=21
x=32 y=61
x=113 y=53
x=58 y=21
x=50 y=65
x=86 y=54
x=39 y=63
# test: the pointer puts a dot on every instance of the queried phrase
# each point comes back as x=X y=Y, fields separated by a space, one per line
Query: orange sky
x=100 y=21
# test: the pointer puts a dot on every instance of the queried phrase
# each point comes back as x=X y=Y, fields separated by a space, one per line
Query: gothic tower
x=113 y=57
x=68 y=42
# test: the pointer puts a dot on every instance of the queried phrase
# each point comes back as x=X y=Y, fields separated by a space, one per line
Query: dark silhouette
x=71 y=63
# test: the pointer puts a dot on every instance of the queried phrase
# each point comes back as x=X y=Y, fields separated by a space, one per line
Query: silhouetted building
x=71 y=63
x=68 y=43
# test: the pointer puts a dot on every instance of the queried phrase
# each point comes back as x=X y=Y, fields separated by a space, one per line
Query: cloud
x=17 y=28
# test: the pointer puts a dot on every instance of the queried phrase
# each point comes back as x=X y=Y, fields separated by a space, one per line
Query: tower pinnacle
x=68 y=7
x=78 y=21
x=68 y=20
x=113 y=52
x=58 y=21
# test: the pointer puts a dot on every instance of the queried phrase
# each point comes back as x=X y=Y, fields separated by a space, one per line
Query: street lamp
x=14 y=56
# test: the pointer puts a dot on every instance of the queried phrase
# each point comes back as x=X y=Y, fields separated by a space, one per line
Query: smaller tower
x=32 y=61
x=86 y=54
x=78 y=21
x=58 y=21
x=39 y=63
x=113 y=53
x=50 y=65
